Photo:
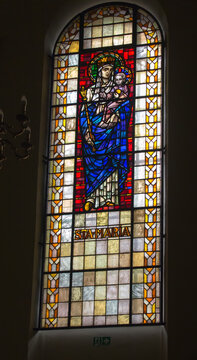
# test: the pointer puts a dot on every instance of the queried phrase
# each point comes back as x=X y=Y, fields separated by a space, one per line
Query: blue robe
x=110 y=145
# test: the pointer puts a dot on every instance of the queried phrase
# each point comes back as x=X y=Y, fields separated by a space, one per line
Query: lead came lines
x=61 y=189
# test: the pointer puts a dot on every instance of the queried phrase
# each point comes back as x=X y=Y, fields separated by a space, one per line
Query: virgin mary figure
x=104 y=120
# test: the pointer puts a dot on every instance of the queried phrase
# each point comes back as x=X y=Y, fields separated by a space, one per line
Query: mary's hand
x=89 y=139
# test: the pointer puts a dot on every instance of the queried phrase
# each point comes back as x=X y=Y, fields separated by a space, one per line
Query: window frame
x=162 y=148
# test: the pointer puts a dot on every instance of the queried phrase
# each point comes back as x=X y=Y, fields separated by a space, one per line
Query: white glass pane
x=158 y=141
x=108 y=30
x=113 y=218
x=128 y=28
x=67 y=206
x=159 y=75
x=140 y=143
x=124 y=291
x=67 y=192
x=66 y=221
x=66 y=235
x=137 y=319
x=141 y=64
x=141 y=90
x=64 y=280
x=128 y=39
x=118 y=29
x=140 y=104
x=96 y=31
x=108 y=20
x=72 y=72
x=140 y=77
x=72 y=84
x=107 y=41
x=69 y=150
x=69 y=165
x=87 y=44
x=73 y=60
x=139 y=158
x=139 y=172
x=96 y=43
x=71 y=111
x=158 y=128
x=64 y=263
x=118 y=40
x=140 y=117
x=139 y=200
x=90 y=220
x=141 y=51
x=71 y=97
x=87 y=32
x=69 y=178
x=138 y=245
x=118 y=19
x=140 y=130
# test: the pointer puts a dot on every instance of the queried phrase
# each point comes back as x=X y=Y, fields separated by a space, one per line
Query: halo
x=126 y=71
x=99 y=60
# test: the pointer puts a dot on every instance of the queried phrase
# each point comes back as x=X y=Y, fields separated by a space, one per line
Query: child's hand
x=116 y=95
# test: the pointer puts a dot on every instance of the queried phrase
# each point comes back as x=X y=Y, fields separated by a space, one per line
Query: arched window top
x=103 y=243
x=105 y=22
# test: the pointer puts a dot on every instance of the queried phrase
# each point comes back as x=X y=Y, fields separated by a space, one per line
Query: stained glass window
x=103 y=244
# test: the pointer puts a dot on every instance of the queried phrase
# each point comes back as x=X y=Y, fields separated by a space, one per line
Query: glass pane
x=87 y=32
x=118 y=40
x=118 y=29
x=128 y=28
x=96 y=43
x=107 y=41
x=108 y=30
x=96 y=31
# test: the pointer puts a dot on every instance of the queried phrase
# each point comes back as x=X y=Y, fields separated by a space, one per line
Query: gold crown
x=106 y=60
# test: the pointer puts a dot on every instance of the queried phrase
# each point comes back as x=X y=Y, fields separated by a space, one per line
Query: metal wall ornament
x=9 y=135
x=103 y=248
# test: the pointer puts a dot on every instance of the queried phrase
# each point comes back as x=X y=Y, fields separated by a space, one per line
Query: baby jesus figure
x=118 y=93
x=120 y=89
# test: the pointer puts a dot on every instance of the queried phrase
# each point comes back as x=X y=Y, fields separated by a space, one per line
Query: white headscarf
x=98 y=85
